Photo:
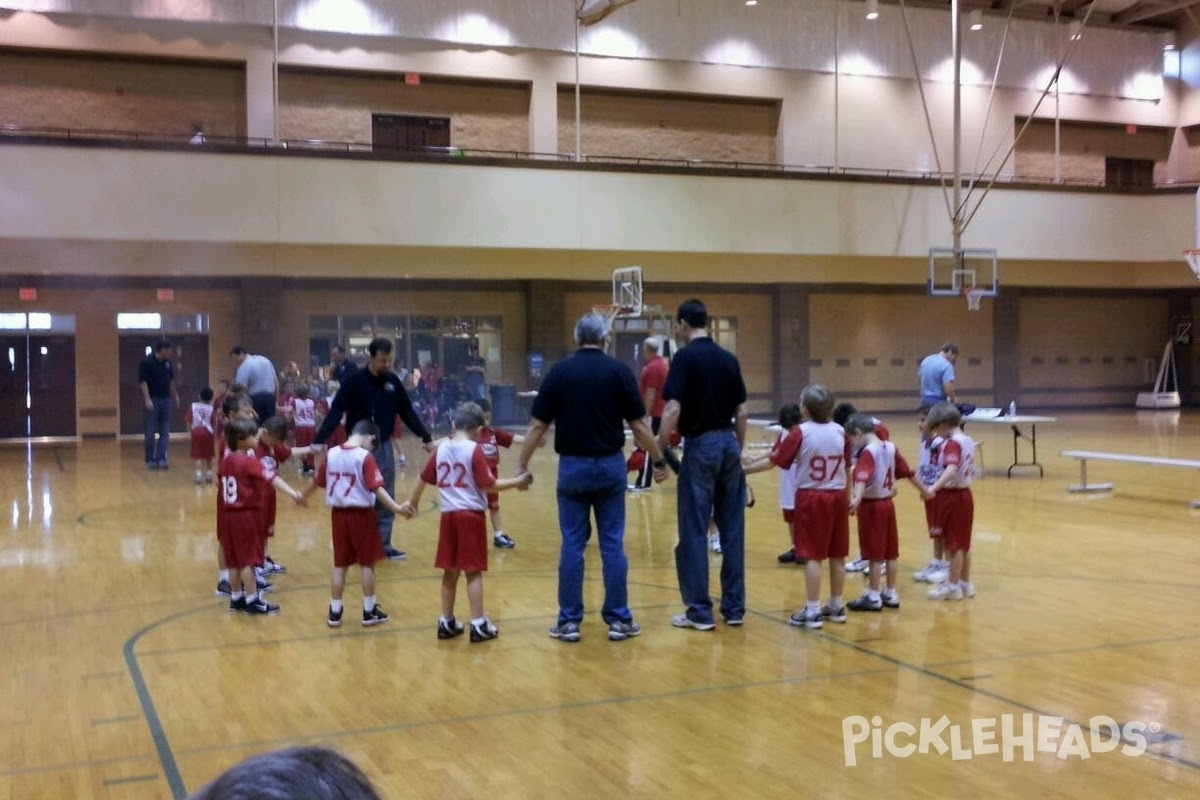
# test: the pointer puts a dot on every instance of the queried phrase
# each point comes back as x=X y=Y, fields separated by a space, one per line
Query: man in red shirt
x=650 y=385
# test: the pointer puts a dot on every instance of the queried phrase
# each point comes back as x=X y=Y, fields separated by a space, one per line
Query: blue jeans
x=711 y=483
x=586 y=485
x=385 y=458
x=157 y=421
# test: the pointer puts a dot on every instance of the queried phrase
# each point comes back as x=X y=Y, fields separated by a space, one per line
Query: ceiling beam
x=1148 y=10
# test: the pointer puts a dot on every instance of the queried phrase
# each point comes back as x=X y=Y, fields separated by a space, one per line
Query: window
x=1171 y=64
x=135 y=321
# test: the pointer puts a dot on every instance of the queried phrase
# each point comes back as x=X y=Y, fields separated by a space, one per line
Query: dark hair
x=859 y=423
x=232 y=402
x=298 y=773
x=237 y=430
x=277 y=427
x=923 y=409
x=789 y=415
x=238 y=388
x=379 y=345
x=950 y=347
x=843 y=412
x=239 y=350
x=339 y=348
x=693 y=312
x=163 y=344
x=206 y=394
x=302 y=391
x=468 y=417
x=944 y=413
x=484 y=404
x=367 y=427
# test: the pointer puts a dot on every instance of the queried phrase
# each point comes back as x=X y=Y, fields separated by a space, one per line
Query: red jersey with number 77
x=460 y=471
x=349 y=476
x=817 y=453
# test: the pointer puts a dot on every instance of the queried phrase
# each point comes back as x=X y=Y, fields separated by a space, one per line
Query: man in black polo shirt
x=156 y=379
x=589 y=396
x=706 y=398
x=342 y=369
x=376 y=393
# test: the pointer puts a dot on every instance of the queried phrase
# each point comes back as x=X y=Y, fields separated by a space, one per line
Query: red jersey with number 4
x=460 y=471
x=245 y=482
x=879 y=465
x=491 y=440
x=817 y=453
x=349 y=476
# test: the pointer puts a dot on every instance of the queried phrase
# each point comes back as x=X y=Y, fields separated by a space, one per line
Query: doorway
x=189 y=361
x=37 y=375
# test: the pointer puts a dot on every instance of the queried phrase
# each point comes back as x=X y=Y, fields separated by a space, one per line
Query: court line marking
x=130 y=779
x=63 y=767
x=1094 y=648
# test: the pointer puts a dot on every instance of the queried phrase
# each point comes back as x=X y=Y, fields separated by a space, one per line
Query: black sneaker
x=787 y=557
x=237 y=605
x=334 y=620
x=376 y=616
x=503 y=541
x=258 y=606
x=264 y=586
x=393 y=554
x=865 y=603
x=450 y=628
x=565 y=632
x=273 y=567
x=483 y=631
x=223 y=589
x=833 y=614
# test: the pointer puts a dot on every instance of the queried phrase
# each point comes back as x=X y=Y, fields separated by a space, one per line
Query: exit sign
x=165 y=295
x=27 y=294
x=412 y=79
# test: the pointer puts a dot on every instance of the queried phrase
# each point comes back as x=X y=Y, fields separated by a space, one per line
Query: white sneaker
x=806 y=619
x=199 y=478
x=968 y=588
x=922 y=575
x=858 y=565
x=714 y=544
x=945 y=591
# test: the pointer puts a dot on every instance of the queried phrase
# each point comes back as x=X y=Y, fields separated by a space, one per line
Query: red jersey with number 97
x=822 y=457
x=879 y=465
x=349 y=476
x=460 y=471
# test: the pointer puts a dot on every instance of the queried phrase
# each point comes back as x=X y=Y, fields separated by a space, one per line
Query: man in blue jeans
x=156 y=379
x=590 y=396
x=706 y=398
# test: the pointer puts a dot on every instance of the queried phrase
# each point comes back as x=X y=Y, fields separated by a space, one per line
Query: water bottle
x=1012 y=408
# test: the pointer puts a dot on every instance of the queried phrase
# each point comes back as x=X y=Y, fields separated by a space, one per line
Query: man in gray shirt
x=257 y=374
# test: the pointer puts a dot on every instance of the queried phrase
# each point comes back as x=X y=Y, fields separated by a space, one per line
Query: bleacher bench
x=1084 y=456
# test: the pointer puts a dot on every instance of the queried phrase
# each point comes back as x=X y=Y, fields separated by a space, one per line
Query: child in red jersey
x=244 y=482
x=460 y=471
x=876 y=468
x=273 y=450
x=491 y=440
x=199 y=420
x=955 y=505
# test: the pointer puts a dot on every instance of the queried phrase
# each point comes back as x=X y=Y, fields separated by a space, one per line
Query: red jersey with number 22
x=460 y=471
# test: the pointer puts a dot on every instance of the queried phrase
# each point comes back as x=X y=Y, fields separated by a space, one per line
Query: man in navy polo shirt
x=706 y=398
x=590 y=396
x=156 y=380
x=376 y=393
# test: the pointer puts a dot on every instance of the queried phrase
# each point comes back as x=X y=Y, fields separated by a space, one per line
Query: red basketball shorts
x=203 y=444
x=304 y=434
x=878 y=538
x=462 y=541
x=931 y=516
x=493 y=499
x=956 y=510
x=239 y=530
x=821 y=524
x=356 y=537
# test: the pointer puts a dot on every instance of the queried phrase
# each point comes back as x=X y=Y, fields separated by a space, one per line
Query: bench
x=1084 y=456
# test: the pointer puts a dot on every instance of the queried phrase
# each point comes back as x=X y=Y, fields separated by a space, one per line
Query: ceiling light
x=872 y=9
x=976 y=20
x=751 y=2
x=1075 y=30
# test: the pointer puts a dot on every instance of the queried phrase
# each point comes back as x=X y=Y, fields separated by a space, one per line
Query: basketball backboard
x=969 y=271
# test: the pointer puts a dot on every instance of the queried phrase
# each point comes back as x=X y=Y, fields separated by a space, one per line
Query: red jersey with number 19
x=460 y=471
x=349 y=476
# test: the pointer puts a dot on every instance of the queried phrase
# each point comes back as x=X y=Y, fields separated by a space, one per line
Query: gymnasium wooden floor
x=124 y=677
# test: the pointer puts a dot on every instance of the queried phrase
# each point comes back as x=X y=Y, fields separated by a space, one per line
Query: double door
x=37 y=385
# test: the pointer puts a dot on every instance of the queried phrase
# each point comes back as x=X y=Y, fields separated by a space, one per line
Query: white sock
x=236 y=595
x=835 y=602
x=368 y=603
x=251 y=599
x=479 y=622
x=872 y=595
x=813 y=607
x=889 y=593
x=335 y=606
x=223 y=575
x=444 y=620
x=498 y=534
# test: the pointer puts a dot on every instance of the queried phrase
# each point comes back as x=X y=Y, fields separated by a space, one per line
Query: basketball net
x=1193 y=259
x=973 y=296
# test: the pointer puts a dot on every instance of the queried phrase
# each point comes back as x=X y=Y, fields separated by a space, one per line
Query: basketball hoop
x=1193 y=259
x=973 y=295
